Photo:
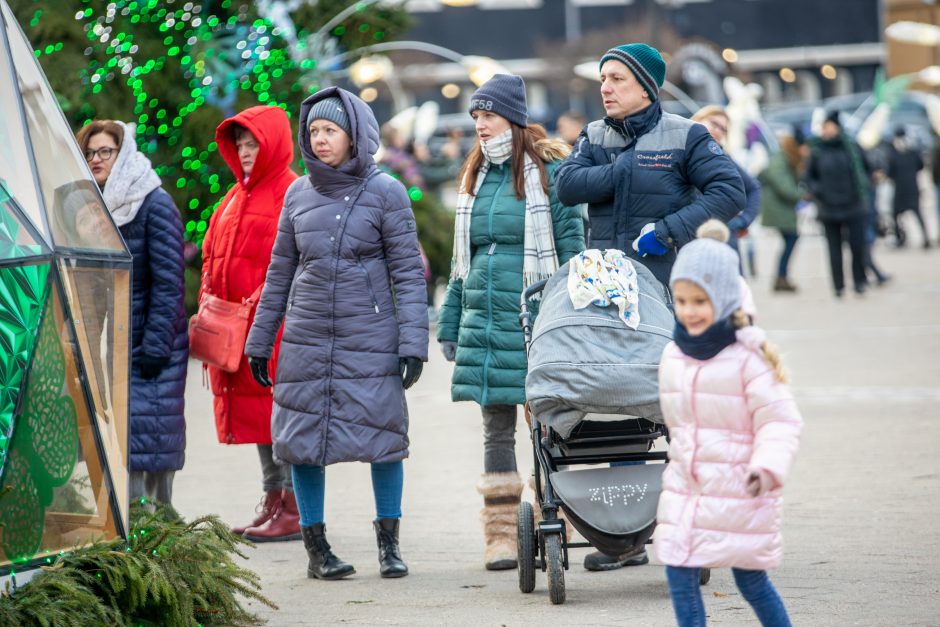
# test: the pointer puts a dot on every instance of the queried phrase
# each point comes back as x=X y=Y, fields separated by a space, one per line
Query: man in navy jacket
x=639 y=168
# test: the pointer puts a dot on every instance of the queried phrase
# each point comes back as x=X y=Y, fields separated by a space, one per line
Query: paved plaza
x=863 y=543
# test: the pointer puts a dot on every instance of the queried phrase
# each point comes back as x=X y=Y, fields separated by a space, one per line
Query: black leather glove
x=151 y=367
x=410 y=368
x=449 y=349
x=259 y=370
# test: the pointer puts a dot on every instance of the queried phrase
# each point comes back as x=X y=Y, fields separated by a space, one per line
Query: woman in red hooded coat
x=257 y=145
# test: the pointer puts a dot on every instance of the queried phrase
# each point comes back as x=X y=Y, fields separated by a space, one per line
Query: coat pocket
x=362 y=268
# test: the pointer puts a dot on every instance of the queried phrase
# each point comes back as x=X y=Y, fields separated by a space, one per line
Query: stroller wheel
x=525 y=527
x=705 y=576
x=555 y=560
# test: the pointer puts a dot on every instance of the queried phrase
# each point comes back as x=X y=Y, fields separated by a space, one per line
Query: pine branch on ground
x=170 y=572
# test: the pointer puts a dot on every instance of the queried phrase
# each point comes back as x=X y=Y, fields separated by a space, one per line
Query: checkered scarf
x=539 y=259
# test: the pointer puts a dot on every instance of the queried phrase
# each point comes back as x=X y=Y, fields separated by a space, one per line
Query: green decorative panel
x=44 y=449
x=22 y=293
x=21 y=513
x=15 y=241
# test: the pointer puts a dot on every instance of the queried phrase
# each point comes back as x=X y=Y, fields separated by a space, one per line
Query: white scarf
x=132 y=178
x=539 y=258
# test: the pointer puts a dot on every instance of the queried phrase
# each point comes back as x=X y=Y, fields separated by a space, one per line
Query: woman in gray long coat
x=346 y=241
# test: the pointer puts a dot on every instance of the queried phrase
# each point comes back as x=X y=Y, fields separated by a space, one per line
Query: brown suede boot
x=264 y=510
x=284 y=525
x=501 y=491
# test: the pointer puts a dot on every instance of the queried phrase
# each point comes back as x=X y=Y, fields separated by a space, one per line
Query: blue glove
x=647 y=244
x=449 y=349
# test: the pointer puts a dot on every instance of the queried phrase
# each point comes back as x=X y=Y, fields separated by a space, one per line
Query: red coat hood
x=271 y=127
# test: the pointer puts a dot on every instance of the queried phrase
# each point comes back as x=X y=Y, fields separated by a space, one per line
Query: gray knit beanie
x=713 y=266
x=331 y=109
x=504 y=95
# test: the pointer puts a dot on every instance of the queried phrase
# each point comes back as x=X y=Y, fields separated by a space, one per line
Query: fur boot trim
x=501 y=492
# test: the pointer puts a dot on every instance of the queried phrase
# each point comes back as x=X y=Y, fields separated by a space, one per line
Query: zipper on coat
x=693 y=404
x=375 y=301
x=489 y=291
x=290 y=296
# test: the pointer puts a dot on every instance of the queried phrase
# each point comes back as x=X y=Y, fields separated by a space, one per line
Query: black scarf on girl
x=705 y=346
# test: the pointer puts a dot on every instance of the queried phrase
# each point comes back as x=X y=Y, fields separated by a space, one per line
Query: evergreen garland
x=170 y=572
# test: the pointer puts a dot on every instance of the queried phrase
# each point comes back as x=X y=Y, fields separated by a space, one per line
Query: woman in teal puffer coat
x=511 y=231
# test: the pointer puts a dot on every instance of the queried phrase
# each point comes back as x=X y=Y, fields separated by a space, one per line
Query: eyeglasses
x=103 y=153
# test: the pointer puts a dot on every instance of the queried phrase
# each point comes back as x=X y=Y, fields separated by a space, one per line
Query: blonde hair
x=771 y=353
x=713 y=229
x=709 y=111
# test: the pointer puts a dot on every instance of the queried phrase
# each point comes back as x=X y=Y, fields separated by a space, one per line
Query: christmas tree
x=176 y=69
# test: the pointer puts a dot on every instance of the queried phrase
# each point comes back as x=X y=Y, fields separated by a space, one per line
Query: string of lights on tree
x=171 y=67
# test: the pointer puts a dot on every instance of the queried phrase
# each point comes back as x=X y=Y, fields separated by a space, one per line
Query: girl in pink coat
x=734 y=431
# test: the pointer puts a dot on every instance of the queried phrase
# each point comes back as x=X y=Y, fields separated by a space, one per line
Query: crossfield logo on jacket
x=662 y=160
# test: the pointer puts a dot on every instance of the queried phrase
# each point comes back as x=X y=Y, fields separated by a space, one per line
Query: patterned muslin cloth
x=601 y=278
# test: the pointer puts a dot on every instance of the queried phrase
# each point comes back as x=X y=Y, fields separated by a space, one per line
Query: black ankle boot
x=323 y=563
x=386 y=536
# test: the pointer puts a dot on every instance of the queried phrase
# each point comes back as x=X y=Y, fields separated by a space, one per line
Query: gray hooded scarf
x=347 y=280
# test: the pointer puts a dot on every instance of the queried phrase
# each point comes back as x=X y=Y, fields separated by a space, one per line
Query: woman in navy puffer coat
x=151 y=227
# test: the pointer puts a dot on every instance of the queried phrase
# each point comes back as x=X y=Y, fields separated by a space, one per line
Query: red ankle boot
x=266 y=508
x=284 y=525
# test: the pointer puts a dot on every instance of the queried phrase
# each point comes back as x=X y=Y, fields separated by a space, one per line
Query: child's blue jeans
x=754 y=585
x=310 y=486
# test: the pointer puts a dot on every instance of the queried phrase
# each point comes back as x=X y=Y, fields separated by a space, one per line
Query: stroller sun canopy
x=587 y=361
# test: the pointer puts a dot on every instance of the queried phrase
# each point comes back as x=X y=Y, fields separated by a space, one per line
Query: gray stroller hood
x=587 y=361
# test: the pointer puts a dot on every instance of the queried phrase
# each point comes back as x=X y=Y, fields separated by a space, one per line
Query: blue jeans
x=310 y=486
x=789 y=243
x=754 y=585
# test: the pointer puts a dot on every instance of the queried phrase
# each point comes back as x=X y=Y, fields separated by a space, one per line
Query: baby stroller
x=592 y=398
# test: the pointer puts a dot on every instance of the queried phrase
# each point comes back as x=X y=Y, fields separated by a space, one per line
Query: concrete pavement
x=863 y=544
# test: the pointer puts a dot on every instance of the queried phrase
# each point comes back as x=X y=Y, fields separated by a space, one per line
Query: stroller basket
x=594 y=442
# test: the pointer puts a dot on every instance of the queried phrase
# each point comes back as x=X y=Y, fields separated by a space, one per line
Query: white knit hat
x=713 y=266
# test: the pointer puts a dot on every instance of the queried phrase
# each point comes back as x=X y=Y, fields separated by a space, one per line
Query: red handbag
x=217 y=332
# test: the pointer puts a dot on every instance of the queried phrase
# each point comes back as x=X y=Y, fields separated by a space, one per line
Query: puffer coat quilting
x=346 y=239
x=727 y=416
x=158 y=329
x=481 y=313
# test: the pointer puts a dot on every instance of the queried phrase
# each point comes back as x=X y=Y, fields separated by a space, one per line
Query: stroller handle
x=525 y=317
x=531 y=291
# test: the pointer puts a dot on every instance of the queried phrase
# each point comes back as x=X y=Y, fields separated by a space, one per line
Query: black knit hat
x=504 y=95
x=833 y=116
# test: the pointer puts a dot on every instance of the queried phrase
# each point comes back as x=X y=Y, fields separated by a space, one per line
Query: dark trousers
x=837 y=233
x=499 y=438
x=274 y=477
x=789 y=243
x=899 y=232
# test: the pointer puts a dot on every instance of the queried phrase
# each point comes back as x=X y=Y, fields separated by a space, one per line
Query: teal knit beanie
x=644 y=61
